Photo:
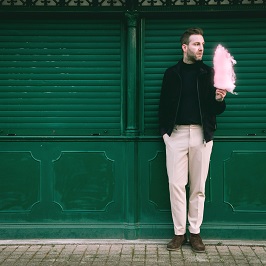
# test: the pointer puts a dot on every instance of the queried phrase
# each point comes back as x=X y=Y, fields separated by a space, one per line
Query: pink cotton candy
x=224 y=75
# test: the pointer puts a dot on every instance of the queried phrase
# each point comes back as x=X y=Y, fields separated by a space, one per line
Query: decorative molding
x=128 y=4
x=158 y=183
x=132 y=18
x=83 y=181
x=244 y=181
x=20 y=181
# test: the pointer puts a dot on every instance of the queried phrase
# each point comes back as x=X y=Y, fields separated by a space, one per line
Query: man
x=187 y=116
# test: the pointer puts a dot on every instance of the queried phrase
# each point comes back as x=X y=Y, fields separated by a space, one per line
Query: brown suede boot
x=177 y=242
x=196 y=243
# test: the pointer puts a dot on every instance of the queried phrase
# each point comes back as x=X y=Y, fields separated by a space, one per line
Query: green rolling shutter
x=246 y=41
x=60 y=77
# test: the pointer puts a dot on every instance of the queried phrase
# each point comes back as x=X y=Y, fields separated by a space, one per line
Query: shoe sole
x=198 y=251
x=174 y=249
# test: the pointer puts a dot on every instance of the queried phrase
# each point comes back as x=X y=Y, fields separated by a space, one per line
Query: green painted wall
x=80 y=154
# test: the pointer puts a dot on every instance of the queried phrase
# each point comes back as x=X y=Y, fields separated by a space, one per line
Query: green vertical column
x=131 y=147
x=131 y=190
x=132 y=99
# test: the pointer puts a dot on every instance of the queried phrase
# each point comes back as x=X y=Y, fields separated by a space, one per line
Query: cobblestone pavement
x=135 y=253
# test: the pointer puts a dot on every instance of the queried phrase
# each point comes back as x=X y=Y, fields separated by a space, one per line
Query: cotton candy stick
x=224 y=74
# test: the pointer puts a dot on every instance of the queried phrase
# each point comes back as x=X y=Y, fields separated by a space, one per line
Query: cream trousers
x=187 y=161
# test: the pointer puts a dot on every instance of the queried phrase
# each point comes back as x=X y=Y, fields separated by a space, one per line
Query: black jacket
x=170 y=97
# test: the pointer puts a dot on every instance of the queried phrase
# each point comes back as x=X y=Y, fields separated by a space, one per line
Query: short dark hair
x=191 y=31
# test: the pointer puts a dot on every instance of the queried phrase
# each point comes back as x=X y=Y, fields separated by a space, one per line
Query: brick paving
x=126 y=253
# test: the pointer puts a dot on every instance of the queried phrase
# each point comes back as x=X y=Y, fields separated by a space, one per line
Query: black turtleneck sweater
x=189 y=111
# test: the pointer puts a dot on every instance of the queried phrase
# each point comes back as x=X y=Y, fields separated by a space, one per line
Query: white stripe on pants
x=187 y=160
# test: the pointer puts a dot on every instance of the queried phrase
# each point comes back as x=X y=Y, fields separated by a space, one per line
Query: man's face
x=193 y=51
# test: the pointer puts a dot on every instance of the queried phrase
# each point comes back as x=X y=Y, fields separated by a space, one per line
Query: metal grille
x=127 y=4
x=63 y=3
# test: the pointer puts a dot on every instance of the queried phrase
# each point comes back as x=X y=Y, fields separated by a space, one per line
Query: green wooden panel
x=119 y=189
x=244 y=38
x=20 y=181
x=83 y=181
x=250 y=197
x=234 y=206
x=60 y=77
x=62 y=182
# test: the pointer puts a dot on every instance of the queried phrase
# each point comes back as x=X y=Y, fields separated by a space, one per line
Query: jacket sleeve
x=216 y=108
x=163 y=106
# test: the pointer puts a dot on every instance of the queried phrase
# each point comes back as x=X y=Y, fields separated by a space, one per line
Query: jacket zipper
x=204 y=141
x=181 y=87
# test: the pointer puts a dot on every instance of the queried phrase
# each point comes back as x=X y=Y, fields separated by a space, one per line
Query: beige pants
x=187 y=160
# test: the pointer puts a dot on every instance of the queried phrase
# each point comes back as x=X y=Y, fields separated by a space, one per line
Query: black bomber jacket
x=170 y=96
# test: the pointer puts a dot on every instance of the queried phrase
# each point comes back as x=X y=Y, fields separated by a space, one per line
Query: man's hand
x=220 y=94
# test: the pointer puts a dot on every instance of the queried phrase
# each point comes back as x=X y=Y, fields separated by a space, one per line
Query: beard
x=194 y=57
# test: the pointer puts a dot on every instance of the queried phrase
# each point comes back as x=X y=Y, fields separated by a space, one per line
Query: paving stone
x=229 y=262
x=9 y=262
x=129 y=254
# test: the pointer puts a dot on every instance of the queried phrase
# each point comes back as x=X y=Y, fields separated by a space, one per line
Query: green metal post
x=131 y=191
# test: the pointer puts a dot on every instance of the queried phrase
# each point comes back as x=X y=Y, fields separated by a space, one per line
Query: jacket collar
x=177 y=67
